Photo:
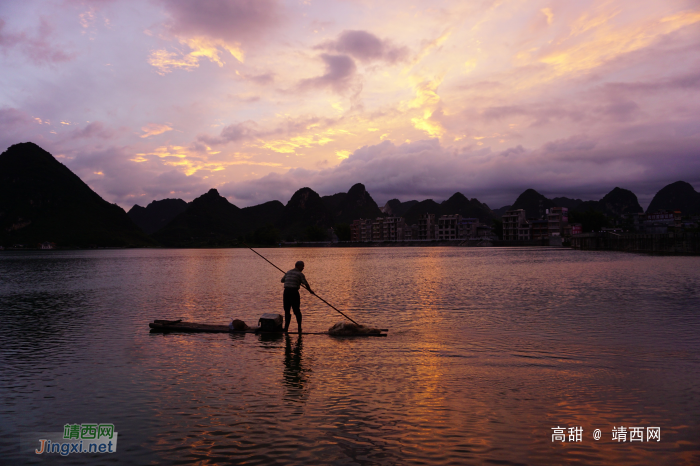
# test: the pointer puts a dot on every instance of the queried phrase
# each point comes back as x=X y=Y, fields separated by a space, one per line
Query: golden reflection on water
x=487 y=351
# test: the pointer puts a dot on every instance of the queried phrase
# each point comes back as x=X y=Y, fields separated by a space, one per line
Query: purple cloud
x=40 y=47
x=340 y=71
x=12 y=116
x=94 y=129
x=426 y=169
x=573 y=143
x=365 y=47
x=229 y=20
x=232 y=133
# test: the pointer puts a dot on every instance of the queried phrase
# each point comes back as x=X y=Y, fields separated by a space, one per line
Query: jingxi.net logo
x=77 y=438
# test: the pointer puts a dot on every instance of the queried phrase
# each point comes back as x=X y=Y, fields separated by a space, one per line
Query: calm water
x=488 y=350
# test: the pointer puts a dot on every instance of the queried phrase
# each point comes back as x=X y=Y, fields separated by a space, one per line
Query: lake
x=490 y=353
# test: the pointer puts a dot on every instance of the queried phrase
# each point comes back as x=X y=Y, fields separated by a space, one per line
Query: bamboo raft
x=180 y=326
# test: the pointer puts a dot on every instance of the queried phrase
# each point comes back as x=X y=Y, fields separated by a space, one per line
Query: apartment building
x=448 y=227
x=557 y=220
x=540 y=229
x=511 y=223
x=361 y=230
x=468 y=228
x=393 y=228
x=525 y=231
x=426 y=227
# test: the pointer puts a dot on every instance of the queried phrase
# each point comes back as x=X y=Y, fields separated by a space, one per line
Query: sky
x=153 y=99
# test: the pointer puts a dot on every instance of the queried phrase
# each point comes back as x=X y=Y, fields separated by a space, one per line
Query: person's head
x=299 y=265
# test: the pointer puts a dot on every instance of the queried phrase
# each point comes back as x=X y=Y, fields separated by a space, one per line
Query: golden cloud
x=153 y=129
x=604 y=42
x=191 y=162
x=200 y=47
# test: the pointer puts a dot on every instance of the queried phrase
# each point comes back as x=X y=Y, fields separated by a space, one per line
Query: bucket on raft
x=271 y=322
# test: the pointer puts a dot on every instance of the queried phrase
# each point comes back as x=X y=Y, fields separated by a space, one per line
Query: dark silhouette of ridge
x=530 y=201
x=676 y=196
x=567 y=202
x=156 y=214
x=617 y=202
x=210 y=220
x=356 y=204
x=305 y=209
x=41 y=200
x=458 y=203
x=396 y=208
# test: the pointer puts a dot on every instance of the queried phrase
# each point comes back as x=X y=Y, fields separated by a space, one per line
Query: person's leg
x=287 y=303
x=296 y=305
x=297 y=314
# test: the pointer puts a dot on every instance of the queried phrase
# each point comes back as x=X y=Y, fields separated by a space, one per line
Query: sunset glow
x=147 y=100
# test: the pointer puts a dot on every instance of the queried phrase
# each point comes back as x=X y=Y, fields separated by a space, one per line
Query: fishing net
x=346 y=328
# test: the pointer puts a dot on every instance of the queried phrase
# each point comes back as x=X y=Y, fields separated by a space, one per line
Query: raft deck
x=180 y=326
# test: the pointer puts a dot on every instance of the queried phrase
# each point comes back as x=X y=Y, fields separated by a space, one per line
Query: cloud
x=340 y=71
x=39 y=48
x=365 y=47
x=263 y=79
x=237 y=132
x=232 y=21
x=175 y=184
x=94 y=129
x=154 y=129
x=200 y=48
x=11 y=116
x=573 y=143
x=208 y=28
x=427 y=169
x=539 y=114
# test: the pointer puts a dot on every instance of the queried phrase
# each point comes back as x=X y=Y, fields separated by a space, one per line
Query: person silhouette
x=293 y=280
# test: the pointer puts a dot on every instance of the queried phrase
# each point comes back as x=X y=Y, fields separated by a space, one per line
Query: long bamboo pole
x=315 y=294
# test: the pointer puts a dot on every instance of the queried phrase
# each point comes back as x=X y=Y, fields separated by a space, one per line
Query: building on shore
x=361 y=230
x=540 y=229
x=448 y=227
x=525 y=231
x=468 y=228
x=393 y=228
x=426 y=227
x=557 y=220
x=511 y=224
x=653 y=223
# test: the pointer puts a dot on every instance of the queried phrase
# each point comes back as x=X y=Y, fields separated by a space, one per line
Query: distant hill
x=501 y=211
x=534 y=203
x=396 y=208
x=427 y=206
x=677 y=196
x=157 y=214
x=356 y=204
x=305 y=209
x=457 y=204
x=567 y=202
x=262 y=214
x=210 y=220
x=617 y=202
x=472 y=208
x=334 y=201
x=42 y=200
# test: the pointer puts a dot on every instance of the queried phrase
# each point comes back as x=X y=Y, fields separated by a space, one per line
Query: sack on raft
x=238 y=325
x=347 y=328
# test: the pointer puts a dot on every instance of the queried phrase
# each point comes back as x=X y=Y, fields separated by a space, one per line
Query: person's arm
x=306 y=284
x=283 y=277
